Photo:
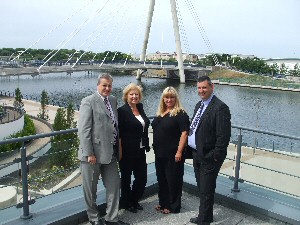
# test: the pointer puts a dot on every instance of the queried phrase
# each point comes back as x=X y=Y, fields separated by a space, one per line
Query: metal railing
x=287 y=151
x=24 y=159
x=237 y=160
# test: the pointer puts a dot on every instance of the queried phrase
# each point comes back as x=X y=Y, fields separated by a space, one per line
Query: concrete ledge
x=252 y=199
x=68 y=207
x=8 y=196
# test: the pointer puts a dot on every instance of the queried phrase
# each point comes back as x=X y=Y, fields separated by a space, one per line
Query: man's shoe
x=139 y=207
x=194 y=220
x=99 y=222
x=132 y=209
x=116 y=223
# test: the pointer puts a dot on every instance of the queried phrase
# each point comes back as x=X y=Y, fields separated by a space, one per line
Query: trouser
x=138 y=167
x=170 y=180
x=206 y=173
x=111 y=181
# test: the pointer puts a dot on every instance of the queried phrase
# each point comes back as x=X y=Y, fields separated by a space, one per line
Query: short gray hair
x=105 y=76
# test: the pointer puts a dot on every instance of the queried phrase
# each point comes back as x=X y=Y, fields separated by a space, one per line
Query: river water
x=268 y=110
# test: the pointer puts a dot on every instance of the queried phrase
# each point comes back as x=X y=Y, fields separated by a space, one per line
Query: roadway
x=16 y=71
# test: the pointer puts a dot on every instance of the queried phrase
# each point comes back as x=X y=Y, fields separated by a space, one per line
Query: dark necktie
x=196 y=119
x=111 y=115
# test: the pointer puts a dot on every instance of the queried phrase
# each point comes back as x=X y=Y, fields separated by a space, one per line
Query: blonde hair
x=169 y=91
x=131 y=87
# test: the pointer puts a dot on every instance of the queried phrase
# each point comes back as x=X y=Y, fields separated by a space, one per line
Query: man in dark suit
x=209 y=137
x=99 y=151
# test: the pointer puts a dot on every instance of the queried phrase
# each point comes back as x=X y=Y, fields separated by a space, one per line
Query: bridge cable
x=111 y=30
x=201 y=29
x=182 y=30
x=118 y=34
x=72 y=34
x=53 y=29
x=111 y=16
x=134 y=41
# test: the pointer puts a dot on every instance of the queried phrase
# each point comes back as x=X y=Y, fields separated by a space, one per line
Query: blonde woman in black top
x=170 y=132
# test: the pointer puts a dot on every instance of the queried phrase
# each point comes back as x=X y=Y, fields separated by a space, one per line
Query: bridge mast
x=146 y=38
x=177 y=41
x=176 y=34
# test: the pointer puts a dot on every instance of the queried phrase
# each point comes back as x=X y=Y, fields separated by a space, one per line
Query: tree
x=274 y=68
x=296 y=71
x=283 y=69
x=43 y=114
x=63 y=147
x=70 y=114
x=18 y=103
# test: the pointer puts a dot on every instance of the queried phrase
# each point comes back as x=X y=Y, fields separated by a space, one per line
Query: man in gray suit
x=99 y=151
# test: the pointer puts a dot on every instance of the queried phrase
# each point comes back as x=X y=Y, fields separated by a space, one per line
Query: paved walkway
x=190 y=203
x=39 y=126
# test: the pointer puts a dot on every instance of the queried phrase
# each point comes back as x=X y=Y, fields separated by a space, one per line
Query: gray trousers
x=111 y=180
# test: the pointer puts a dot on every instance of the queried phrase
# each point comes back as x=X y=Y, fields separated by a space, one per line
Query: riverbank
x=222 y=77
x=234 y=78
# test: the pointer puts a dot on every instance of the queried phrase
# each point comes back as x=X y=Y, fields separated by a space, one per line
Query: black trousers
x=206 y=173
x=130 y=195
x=170 y=180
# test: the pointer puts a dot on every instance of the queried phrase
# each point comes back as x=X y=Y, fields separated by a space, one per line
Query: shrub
x=28 y=129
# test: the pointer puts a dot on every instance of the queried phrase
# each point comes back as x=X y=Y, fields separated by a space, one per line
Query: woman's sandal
x=158 y=208
x=165 y=211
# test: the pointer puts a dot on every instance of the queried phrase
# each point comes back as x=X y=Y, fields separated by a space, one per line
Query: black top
x=166 y=133
x=131 y=131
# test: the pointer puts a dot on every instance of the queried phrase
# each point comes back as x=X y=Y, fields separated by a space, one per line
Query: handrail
x=54 y=133
x=266 y=132
x=24 y=159
x=37 y=136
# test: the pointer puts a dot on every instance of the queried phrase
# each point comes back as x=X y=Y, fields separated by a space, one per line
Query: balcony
x=256 y=185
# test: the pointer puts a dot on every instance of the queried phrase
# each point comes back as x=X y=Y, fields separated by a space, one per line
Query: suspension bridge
x=104 y=36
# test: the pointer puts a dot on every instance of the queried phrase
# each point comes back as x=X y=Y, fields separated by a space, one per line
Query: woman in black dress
x=170 y=132
x=134 y=143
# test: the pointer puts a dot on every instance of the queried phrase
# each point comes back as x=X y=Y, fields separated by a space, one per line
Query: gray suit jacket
x=95 y=129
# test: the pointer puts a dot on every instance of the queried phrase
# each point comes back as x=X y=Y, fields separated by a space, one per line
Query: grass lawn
x=253 y=79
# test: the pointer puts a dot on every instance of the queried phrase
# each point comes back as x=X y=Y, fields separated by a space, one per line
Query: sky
x=264 y=28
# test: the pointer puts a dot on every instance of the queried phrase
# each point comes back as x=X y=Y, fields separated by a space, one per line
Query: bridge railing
x=268 y=168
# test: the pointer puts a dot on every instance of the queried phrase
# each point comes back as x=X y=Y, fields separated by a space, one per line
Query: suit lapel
x=196 y=110
x=207 y=110
x=100 y=103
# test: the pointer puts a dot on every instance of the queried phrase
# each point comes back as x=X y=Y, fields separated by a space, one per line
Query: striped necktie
x=196 y=119
x=111 y=115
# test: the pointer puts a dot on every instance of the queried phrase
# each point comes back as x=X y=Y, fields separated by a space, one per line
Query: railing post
x=255 y=145
x=237 y=163
x=24 y=173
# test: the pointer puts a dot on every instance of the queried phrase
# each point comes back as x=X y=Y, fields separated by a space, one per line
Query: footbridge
x=172 y=71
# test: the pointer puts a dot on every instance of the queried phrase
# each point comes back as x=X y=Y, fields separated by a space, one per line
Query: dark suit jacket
x=131 y=130
x=214 y=130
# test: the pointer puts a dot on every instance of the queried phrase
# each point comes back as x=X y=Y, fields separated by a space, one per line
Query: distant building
x=167 y=56
x=288 y=62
